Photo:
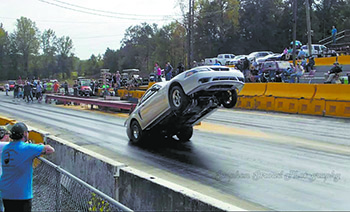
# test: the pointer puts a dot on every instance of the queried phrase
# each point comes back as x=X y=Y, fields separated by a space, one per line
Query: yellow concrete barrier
x=287 y=96
x=264 y=103
x=325 y=61
x=344 y=60
x=253 y=89
x=247 y=95
x=337 y=108
x=36 y=137
x=339 y=92
x=4 y=121
x=312 y=107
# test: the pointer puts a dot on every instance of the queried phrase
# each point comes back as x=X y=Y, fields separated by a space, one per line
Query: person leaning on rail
x=17 y=171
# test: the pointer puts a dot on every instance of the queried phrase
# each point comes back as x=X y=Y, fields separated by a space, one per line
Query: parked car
x=2 y=88
x=233 y=62
x=172 y=107
x=271 y=70
x=270 y=57
x=318 y=50
x=256 y=55
x=222 y=58
x=84 y=88
x=12 y=84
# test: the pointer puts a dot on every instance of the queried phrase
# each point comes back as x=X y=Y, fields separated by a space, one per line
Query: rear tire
x=185 y=134
x=178 y=99
x=229 y=99
x=136 y=132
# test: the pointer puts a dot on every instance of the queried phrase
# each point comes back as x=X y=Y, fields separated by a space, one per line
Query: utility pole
x=308 y=25
x=190 y=33
x=295 y=4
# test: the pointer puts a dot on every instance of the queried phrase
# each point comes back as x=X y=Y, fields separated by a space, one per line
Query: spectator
x=75 y=88
x=92 y=86
x=39 y=91
x=7 y=88
x=27 y=92
x=158 y=72
x=65 y=86
x=168 y=71
x=335 y=70
x=180 y=68
x=310 y=64
x=299 y=71
x=4 y=139
x=17 y=170
x=15 y=91
x=117 y=77
x=246 y=65
x=55 y=87
x=334 y=34
x=301 y=54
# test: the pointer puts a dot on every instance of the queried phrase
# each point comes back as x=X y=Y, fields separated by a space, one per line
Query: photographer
x=17 y=170
x=333 y=74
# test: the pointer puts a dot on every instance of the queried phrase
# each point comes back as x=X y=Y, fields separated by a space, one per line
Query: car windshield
x=270 y=65
x=85 y=82
x=220 y=68
x=11 y=82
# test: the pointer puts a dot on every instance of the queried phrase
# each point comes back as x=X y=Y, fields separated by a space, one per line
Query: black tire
x=185 y=134
x=229 y=99
x=135 y=132
x=178 y=99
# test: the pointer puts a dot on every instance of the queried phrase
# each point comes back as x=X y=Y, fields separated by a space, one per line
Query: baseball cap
x=17 y=130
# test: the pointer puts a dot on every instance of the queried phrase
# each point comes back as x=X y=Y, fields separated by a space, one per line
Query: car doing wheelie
x=174 y=107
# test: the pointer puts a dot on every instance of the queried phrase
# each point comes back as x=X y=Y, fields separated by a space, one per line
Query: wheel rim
x=135 y=131
x=228 y=96
x=177 y=98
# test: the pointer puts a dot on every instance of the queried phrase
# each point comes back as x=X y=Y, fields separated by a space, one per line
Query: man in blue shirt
x=17 y=171
x=334 y=34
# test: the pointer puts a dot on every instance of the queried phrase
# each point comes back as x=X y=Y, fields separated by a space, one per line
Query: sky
x=93 y=25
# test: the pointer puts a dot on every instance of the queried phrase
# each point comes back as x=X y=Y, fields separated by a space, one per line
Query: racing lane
x=254 y=160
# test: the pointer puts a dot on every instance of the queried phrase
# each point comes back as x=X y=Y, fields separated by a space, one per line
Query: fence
x=57 y=190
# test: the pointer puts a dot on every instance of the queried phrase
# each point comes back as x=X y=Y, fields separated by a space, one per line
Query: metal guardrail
x=102 y=103
x=57 y=190
x=341 y=35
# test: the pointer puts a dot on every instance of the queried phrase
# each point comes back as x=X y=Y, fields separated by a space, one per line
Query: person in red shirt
x=55 y=87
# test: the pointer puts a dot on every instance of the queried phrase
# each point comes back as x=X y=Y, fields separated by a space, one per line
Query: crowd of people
x=28 y=89
x=168 y=72
x=255 y=72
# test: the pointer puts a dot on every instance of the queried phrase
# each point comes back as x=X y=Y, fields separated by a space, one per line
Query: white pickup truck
x=221 y=59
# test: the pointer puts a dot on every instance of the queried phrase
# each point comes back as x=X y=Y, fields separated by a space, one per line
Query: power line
x=98 y=14
x=104 y=11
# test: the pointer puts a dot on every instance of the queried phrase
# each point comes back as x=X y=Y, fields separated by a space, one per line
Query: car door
x=152 y=105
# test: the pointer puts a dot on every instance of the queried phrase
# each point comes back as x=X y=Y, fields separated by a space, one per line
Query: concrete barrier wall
x=133 y=188
x=311 y=99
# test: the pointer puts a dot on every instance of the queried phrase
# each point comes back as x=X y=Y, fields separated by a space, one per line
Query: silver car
x=173 y=107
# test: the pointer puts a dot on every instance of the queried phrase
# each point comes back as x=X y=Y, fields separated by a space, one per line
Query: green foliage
x=98 y=204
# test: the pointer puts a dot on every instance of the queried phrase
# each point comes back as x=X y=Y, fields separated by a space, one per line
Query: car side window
x=227 y=56
x=317 y=48
x=149 y=93
x=220 y=56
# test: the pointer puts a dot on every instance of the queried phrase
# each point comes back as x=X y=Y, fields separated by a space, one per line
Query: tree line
x=220 y=26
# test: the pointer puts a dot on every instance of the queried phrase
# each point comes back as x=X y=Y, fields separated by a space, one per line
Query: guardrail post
x=116 y=184
x=58 y=192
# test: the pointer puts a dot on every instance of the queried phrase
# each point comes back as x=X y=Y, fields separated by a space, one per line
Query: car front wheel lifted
x=177 y=99
x=229 y=99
